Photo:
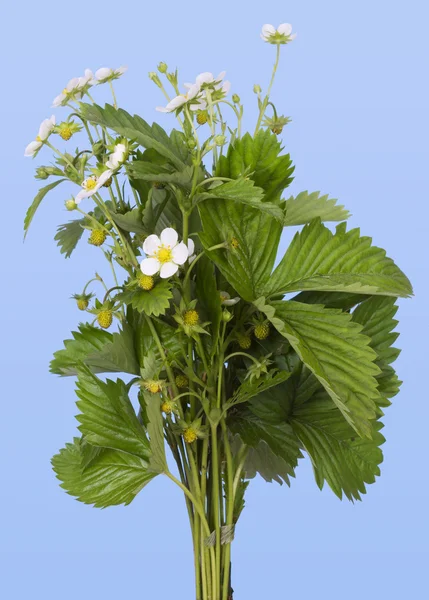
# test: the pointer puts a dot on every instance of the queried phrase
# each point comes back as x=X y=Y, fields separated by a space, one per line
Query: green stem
x=216 y=501
x=265 y=101
x=115 y=104
x=229 y=508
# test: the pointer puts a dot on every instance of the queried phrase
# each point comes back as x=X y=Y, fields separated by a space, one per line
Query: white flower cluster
x=195 y=97
x=77 y=86
x=165 y=254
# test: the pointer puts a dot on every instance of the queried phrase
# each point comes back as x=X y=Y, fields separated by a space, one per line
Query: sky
x=355 y=82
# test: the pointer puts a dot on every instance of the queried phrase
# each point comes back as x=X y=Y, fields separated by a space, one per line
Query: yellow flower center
x=154 y=387
x=191 y=317
x=90 y=183
x=65 y=91
x=38 y=138
x=66 y=133
x=146 y=282
x=189 y=435
x=164 y=254
x=235 y=243
x=166 y=407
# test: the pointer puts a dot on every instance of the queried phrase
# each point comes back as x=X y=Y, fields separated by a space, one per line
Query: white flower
x=106 y=74
x=226 y=299
x=164 y=254
x=87 y=80
x=70 y=92
x=91 y=185
x=118 y=157
x=282 y=35
x=45 y=130
x=192 y=97
x=207 y=80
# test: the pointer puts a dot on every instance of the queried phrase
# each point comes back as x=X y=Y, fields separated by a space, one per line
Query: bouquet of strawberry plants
x=231 y=364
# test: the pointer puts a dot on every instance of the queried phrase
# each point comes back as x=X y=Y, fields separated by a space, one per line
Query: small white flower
x=282 y=35
x=87 y=80
x=192 y=97
x=118 y=157
x=45 y=130
x=207 y=80
x=70 y=92
x=164 y=254
x=106 y=74
x=226 y=299
x=91 y=185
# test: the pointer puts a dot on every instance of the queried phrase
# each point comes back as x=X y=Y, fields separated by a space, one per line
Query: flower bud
x=236 y=98
x=70 y=204
x=220 y=140
x=191 y=143
x=226 y=316
x=97 y=148
x=154 y=77
x=42 y=173
x=257 y=88
x=162 y=67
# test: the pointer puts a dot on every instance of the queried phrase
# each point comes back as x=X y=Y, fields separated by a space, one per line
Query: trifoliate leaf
x=131 y=221
x=151 y=302
x=148 y=171
x=346 y=461
x=376 y=315
x=107 y=417
x=334 y=349
x=68 y=236
x=259 y=158
x=36 y=203
x=305 y=207
x=114 y=478
x=317 y=259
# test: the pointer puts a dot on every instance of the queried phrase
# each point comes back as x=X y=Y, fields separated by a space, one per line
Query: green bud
x=154 y=77
x=172 y=78
x=162 y=67
x=236 y=98
x=220 y=140
x=191 y=143
x=70 y=204
x=226 y=316
x=257 y=88
x=42 y=173
x=97 y=148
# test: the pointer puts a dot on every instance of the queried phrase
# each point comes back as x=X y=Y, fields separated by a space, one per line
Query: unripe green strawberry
x=262 y=331
x=97 y=237
x=202 y=117
x=146 y=282
x=182 y=381
x=105 y=318
x=82 y=304
x=244 y=341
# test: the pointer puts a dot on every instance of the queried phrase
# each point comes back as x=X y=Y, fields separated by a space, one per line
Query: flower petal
x=268 y=30
x=285 y=28
x=169 y=237
x=176 y=102
x=150 y=266
x=58 y=100
x=204 y=78
x=167 y=270
x=191 y=246
x=180 y=253
x=151 y=244
x=104 y=177
x=32 y=148
x=103 y=73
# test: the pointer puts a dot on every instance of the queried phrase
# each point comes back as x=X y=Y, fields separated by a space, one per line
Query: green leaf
x=155 y=429
x=117 y=356
x=317 y=259
x=342 y=300
x=162 y=211
x=279 y=438
x=246 y=267
x=107 y=417
x=208 y=296
x=68 y=236
x=114 y=478
x=152 y=302
x=85 y=342
x=306 y=207
x=131 y=221
x=148 y=171
x=136 y=128
x=248 y=389
x=388 y=384
x=346 y=461
x=376 y=317
x=258 y=157
x=245 y=192
x=334 y=349
x=263 y=461
x=36 y=203
x=172 y=343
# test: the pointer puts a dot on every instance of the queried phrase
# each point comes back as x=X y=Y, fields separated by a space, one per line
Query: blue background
x=356 y=84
